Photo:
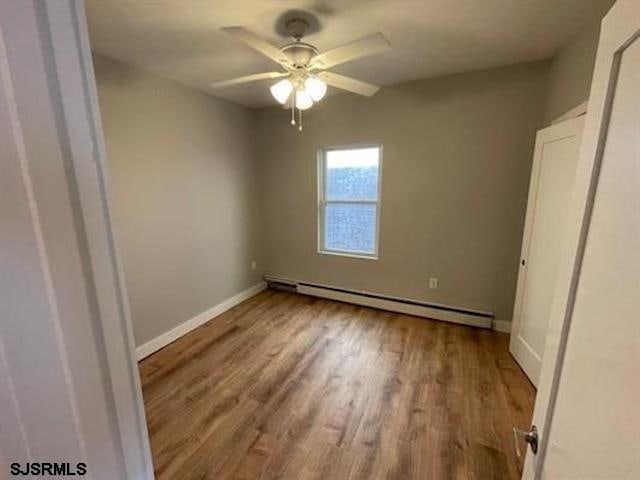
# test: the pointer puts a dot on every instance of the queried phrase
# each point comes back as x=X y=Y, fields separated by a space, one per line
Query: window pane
x=352 y=174
x=350 y=226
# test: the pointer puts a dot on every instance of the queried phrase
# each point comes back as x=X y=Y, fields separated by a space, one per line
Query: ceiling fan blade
x=363 y=47
x=248 y=78
x=348 y=83
x=257 y=43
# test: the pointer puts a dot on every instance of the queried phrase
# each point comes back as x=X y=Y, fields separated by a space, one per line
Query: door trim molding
x=573 y=113
x=72 y=88
x=619 y=30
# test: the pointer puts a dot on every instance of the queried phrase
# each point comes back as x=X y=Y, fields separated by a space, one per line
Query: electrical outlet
x=253 y=265
x=433 y=283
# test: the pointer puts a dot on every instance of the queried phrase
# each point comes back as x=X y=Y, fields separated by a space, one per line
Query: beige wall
x=572 y=68
x=457 y=157
x=184 y=183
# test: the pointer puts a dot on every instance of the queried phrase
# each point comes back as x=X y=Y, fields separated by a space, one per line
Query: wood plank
x=289 y=386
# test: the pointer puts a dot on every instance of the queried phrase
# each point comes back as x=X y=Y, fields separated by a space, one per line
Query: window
x=349 y=200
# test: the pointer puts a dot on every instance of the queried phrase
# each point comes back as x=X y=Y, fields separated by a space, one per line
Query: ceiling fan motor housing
x=298 y=52
x=305 y=68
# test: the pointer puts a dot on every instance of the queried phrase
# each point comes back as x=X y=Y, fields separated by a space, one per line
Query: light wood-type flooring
x=294 y=387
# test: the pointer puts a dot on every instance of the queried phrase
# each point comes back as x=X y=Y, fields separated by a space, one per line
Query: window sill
x=362 y=256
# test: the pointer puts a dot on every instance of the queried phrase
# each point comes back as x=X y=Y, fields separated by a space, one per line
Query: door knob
x=531 y=437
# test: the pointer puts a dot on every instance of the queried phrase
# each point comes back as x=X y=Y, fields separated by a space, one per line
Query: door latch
x=530 y=437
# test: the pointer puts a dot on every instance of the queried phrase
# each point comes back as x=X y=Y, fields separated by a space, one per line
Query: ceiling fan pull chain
x=293 y=111
x=300 y=120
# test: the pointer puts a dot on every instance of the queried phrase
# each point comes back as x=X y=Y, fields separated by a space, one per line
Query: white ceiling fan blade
x=248 y=78
x=363 y=47
x=348 y=83
x=257 y=43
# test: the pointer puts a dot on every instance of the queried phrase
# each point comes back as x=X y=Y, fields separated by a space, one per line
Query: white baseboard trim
x=502 y=326
x=175 y=333
x=395 y=305
x=528 y=359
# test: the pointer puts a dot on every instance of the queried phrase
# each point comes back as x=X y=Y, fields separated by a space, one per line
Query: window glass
x=349 y=203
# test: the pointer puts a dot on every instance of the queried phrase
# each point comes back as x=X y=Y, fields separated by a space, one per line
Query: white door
x=69 y=385
x=588 y=403
x=552 y=176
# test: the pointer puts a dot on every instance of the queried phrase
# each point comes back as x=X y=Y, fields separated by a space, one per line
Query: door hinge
x=531 y=437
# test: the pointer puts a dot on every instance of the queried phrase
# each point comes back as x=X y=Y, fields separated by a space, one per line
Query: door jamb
x=64 y=23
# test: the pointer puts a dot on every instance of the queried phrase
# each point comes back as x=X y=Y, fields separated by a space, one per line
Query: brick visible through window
x=349 y=202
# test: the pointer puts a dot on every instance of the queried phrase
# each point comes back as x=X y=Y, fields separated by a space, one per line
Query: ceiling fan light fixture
x=303 y=100
x=300 y=87
x=281 y=90
x=316 y=88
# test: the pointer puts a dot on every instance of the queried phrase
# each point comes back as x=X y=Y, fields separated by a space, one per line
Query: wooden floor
x=288 y=386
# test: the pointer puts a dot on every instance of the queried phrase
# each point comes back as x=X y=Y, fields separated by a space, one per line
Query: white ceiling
x=181 y=39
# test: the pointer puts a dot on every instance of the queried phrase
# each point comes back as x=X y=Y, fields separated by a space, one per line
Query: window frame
x=322 y=201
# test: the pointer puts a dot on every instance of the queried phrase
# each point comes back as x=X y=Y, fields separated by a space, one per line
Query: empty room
x=261 y=239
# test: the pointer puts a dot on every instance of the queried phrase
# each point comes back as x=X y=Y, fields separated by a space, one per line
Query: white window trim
x=322 y=202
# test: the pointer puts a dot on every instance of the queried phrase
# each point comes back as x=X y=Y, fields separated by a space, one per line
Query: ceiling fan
x=305 y=67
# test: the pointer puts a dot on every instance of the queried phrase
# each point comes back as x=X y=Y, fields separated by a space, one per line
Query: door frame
x=49 y=82
x=619 y=30
x=67 y=24
x=518 y=347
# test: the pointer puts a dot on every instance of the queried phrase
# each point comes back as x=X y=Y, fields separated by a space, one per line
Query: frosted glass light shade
x=282 y=90
x=316 y=88
x=303 y=100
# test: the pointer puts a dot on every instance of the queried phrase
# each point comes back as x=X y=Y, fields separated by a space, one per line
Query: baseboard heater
x=474 y=318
